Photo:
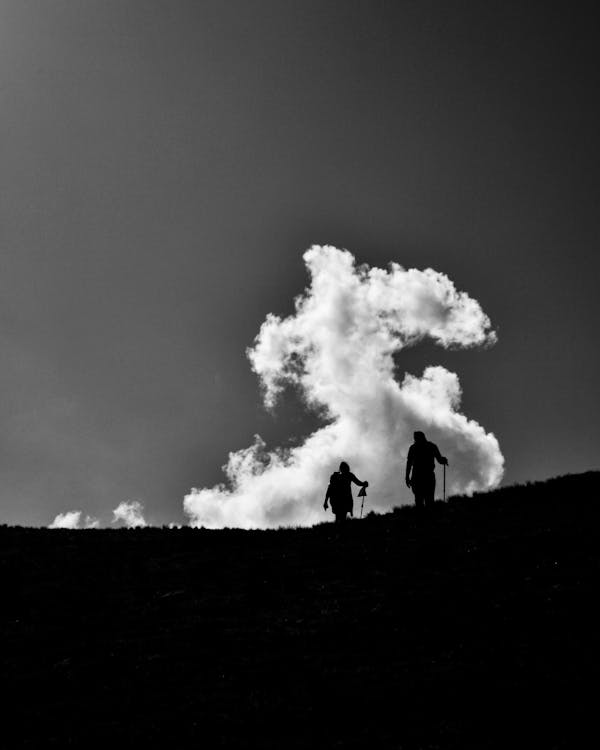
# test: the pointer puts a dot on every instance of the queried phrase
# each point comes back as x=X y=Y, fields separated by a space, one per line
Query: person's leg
x=429 y=492
x=419 y=499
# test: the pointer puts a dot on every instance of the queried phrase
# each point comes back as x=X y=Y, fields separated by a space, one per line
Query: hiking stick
x=363 y=494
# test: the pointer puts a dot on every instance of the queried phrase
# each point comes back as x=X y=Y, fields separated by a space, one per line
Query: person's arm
x=409 y=463
x=325 y=505
x=439 y=458
x=358 y=482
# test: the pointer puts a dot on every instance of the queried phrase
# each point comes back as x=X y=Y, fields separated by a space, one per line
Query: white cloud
x=68 y=520
x=130 y=513
x=338 y=348
x=72 y=520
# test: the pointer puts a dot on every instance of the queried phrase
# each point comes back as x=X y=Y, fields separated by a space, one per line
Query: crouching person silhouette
x=420 y=470
x=339 y=492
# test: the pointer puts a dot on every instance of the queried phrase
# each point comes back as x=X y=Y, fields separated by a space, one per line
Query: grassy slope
x=475 y=628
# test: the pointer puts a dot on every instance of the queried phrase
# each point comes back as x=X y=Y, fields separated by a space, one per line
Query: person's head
x=419 y=437
x=344 y=468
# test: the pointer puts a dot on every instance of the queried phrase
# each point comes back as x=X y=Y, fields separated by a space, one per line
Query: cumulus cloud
x=338 y=350
x=68 y=520
x=131 y=514
x=72 y=520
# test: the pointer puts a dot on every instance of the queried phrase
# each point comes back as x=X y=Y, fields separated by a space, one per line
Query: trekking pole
x=363 y=494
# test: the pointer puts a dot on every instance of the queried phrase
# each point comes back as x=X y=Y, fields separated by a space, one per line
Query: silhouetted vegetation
x=473 y=628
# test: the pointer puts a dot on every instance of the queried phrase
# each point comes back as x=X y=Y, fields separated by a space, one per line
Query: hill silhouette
x=474 y=628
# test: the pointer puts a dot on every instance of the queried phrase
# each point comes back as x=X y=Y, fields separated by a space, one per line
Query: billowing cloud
x=131 y=514
x=72 y=520
x=338 y=350
x=68 y=520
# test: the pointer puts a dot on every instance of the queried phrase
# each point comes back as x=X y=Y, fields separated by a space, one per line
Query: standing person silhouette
x=420 y=469
x=339 y=492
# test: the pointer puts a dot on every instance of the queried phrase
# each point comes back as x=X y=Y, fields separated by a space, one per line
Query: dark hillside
x=475 y=628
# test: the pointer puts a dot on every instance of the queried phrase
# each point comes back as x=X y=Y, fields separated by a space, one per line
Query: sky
x=165 y=166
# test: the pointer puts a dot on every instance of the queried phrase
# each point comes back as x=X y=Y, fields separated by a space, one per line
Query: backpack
x=335 y=487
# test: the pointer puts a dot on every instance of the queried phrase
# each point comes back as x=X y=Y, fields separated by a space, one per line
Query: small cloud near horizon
x=130 y=514
x=72 y=520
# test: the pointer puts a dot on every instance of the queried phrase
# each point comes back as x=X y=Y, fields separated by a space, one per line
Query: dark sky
x=165 y=164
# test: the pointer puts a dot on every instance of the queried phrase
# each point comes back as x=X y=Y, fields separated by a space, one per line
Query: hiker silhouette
x=420 y=469
x=339 y=492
